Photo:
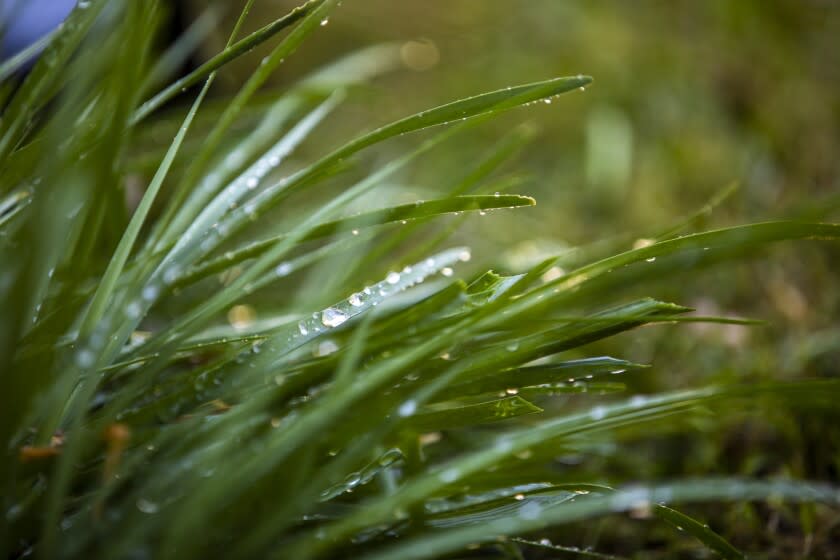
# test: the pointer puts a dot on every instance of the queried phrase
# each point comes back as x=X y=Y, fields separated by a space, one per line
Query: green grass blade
x=231 y=52
x=700 y=531
x=115 y=266
x=532 y=516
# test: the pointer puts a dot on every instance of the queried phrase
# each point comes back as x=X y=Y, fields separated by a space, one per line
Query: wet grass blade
x=532 y=516
x=701 y=531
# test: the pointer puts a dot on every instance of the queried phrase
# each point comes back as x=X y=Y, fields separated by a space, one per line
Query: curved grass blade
x=726 y=238
x=532 y=516
x=701 y=531
x=115 y=265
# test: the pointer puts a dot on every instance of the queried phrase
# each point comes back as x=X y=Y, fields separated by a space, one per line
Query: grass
x=258 y=356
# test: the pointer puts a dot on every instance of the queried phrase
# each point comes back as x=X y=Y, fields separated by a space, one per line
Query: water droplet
x=512 y=391
x=355 y=300
x=547 y=101
x=355 y=232
x=85 y=358
x=325 y=21
x=147 y=506
x=283 y=269
x=530 y=510
x=482 y=213
x=252 y=182
x=332 y=317
x=651 y=259
x=133 y=310
x=241 y=316
x=497 y=194
x=325 y=348
x=449 y=475
x=393 y=277
x=545 y=542
x=171 y=274
x=598 y=413
x=464 y=255
x=446 y=271
x=390 y=457
x=407 y=408
x=519 y=497
x=150 y=292
x=302 y=328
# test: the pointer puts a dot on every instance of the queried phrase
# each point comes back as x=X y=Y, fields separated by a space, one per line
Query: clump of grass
x=188 y=376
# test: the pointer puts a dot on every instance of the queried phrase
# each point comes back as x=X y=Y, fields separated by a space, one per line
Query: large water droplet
x=147 y=506
x=393 y=277
x=355 y=300
x=332 y=317
x=407 y=408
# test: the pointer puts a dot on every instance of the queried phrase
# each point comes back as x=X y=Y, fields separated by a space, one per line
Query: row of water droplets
x=363 y=476
x=371 y=296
